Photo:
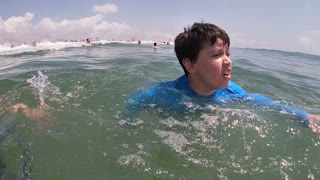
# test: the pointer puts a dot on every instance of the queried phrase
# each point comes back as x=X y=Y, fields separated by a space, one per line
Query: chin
x=225 y=85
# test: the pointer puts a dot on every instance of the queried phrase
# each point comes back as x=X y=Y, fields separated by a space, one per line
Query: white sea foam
x=10 y=49
x=177 y=141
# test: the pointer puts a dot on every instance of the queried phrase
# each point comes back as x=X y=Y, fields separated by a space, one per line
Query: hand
x=40 y=116
x=314 y=123
x=16 y=107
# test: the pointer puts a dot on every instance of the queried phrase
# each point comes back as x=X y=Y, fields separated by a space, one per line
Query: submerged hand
x=41 y=117
x=314 y=123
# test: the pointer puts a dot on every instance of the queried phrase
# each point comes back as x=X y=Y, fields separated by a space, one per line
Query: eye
x=216 y=55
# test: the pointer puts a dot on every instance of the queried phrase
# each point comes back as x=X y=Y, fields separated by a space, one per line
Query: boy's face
x=212 y=69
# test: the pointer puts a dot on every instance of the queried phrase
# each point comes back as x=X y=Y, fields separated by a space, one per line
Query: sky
x=288 y=25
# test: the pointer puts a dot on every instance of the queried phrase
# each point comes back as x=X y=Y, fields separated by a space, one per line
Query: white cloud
x=47 y=24
x=105 y=8
x=13 y=24
x=305 y=41
x=21 y=29
x=315 y=32
x=309 y=41
x=241 y=41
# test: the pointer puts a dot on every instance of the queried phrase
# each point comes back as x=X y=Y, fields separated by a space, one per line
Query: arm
x=300 y=115
x=306 y=120
x=136 y=102
x=262 y=101
x=161 y=96
x=41 y=117
x=139 y=100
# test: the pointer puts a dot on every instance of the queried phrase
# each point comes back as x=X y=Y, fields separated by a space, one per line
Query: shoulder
x=158 y=90
x=235 y=88
x=231 y=93
x=182 y=83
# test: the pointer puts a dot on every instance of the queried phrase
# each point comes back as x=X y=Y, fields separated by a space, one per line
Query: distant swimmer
x=155 y=46
x=139 y=42
x=89 y=41
x=167 y=43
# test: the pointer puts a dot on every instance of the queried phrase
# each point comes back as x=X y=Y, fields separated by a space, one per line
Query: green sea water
x=86 y=88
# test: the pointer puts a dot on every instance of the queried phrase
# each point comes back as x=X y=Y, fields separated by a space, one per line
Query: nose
x=227 y=60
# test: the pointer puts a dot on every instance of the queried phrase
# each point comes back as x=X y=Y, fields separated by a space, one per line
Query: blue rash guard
x=178 y=95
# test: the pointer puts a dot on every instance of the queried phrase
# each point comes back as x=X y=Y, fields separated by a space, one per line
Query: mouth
x=227 y=75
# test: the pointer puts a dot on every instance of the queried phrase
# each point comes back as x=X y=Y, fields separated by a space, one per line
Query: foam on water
x=205 y=139
x=6 y=49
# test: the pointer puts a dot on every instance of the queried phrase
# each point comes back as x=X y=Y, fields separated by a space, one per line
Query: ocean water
x=86 y=87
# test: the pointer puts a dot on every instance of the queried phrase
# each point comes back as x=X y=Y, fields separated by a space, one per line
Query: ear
x=188 y=65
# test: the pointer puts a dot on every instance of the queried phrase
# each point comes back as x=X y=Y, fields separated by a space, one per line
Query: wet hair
x=189 y=43
x=155 y=44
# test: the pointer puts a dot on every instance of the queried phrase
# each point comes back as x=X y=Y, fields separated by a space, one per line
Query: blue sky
x=290 y=25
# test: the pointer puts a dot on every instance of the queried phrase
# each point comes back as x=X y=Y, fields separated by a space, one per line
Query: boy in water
x=203 y=52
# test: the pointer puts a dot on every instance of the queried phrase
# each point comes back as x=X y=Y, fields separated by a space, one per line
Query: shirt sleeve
x=263 y=101
x=140 y=100
x=134 y=104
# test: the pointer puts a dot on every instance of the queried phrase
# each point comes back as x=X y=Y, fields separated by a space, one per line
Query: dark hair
x=189 y=43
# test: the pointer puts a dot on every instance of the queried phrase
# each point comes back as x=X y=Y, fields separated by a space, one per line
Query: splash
x=40 y=82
